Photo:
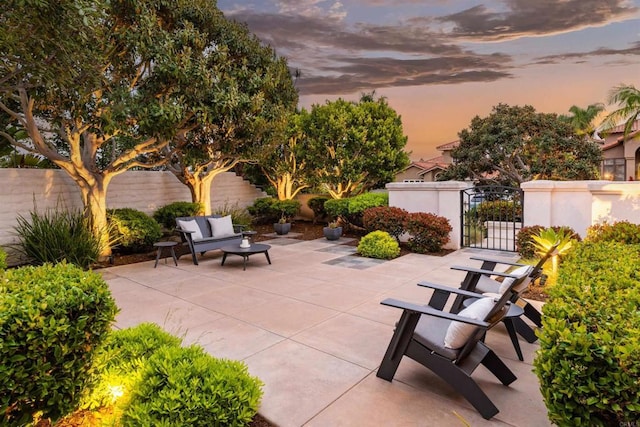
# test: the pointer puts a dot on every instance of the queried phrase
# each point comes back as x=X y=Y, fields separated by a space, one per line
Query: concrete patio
x=310 y=326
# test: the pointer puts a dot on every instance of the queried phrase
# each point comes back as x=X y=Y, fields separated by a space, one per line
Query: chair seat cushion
x=430 y=332
x=487 y=285
x=458 y=333
x=508 y=281
x=191 y=225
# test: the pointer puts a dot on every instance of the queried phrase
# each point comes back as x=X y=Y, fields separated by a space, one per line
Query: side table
x=161 y=246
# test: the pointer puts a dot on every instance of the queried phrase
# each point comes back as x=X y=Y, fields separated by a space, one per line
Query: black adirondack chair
x=420 y=335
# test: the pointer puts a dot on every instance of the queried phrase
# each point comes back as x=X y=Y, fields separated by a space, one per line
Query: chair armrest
x=429 y=311
x=496 y=261
x=180 y=230
x=448 y=289
x=482 y=272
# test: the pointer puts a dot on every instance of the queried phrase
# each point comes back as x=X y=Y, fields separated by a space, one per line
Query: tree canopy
x=353 y=146
x=516 y=144
x=104 y=86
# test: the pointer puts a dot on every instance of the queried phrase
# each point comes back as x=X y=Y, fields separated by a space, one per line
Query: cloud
x=334 y=58
x=536 y=18
x=579 y=57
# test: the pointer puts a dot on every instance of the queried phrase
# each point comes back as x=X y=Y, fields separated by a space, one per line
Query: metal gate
x=491 y=217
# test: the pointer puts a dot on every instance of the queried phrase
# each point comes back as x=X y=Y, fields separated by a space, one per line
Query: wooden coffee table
x=245 y=253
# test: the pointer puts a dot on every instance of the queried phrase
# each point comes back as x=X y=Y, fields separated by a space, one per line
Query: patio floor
x=311 y=327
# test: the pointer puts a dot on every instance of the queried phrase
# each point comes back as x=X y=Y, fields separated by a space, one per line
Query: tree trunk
x=94 y=199
x=200 y=188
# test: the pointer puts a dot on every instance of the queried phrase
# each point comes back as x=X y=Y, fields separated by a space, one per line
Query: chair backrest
x=202 y=222
x=496 y=314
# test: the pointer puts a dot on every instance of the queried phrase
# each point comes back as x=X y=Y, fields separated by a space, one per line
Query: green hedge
x=269 y=209
x=619 y=231
x=588 y=362
x=499 y=210
x=187 y=387
x=133 y=230
x=167 y=214
x=52 y=319
x=351 y=209
x=3 y=259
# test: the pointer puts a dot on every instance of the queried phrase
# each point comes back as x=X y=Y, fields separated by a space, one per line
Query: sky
x=439 y=63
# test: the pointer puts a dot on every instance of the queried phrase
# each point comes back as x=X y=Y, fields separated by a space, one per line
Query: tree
x=352 y=147
x=242 y=114
x=516 y=144
x=628 y=99
x=582 y=120
x=285 y=166
x=102 y=86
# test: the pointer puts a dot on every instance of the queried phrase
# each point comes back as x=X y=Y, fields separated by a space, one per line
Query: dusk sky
x=441 y=62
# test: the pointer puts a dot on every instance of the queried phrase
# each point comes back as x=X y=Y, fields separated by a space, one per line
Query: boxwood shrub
x=133 y=230
x=167 y=214
x=267 y=210
x=52 y=319
x=619 y=231
x=588 y=362
x=184 y=386
x=379 y=244
x=429 y=232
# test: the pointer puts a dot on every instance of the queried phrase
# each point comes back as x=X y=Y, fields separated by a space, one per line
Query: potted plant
x=283 y=226
x=332 y=231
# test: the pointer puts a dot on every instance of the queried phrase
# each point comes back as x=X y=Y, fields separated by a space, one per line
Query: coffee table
x=245 y=253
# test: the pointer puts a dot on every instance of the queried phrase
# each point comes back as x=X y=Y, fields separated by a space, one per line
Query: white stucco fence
x=577 y=204
x=143 y=190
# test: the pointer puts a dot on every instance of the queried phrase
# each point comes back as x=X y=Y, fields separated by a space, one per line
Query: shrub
x=619 y=231
x=167 y=214
x=52 y=318
x=526 y=245
x=429 y=232
x=57 y=235
x=316 y=204
x=358 y=204
x=269 y=209
x=186 y=387
x=119 y=363
x=499 y=210
x=3 y=259
x=133 y=230
x=337 y=208
x=379 y=244
x=385 y=218
x=588 y=362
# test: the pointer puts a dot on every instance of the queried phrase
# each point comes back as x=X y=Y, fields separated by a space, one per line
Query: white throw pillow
x=506 y=283
x=221 y=227
x=458 y=333
x=191 y=225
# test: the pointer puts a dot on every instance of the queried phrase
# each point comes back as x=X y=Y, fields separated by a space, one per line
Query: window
x=613 y=169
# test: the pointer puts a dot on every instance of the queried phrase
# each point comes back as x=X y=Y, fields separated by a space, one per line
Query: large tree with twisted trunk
x=102 y=87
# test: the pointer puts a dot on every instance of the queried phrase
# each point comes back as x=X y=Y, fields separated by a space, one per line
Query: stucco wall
x=22 y=189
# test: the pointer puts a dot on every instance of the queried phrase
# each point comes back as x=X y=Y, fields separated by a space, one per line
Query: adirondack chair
x=479 y=280
x=448 y=344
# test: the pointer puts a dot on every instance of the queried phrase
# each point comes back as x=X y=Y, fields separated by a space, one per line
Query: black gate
x=491 y=217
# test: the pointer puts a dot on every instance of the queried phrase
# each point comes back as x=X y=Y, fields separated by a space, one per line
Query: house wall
x=577 y=204
x=25 y=189
x=439 y=198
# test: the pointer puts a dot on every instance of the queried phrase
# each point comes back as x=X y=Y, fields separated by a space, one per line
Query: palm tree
x=583 y=119
x=628 y=99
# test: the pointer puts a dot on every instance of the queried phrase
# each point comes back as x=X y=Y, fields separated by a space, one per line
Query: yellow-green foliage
x=588 y=362
x=379 y=244
x=3 y=259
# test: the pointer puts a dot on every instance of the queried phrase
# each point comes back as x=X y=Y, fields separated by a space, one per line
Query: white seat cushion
x=191 y=225
x=221 y=227
x=458 y=333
